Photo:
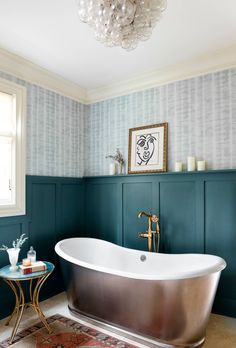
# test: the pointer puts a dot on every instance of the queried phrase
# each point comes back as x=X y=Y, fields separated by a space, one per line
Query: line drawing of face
x=145 y=148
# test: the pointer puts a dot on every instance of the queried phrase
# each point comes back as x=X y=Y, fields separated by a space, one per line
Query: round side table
x=14 y=279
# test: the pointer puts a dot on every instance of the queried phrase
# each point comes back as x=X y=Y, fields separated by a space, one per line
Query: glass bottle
x=31 y=254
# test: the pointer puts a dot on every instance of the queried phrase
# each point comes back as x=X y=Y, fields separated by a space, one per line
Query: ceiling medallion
x=121 y=22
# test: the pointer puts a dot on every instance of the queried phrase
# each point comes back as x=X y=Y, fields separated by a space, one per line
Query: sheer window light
x=12 y=148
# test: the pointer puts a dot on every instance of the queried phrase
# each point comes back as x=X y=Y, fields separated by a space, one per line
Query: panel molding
x=53 y=228
x=196 y=241
x=11 y=227
x=102 y=220
x=134 y=196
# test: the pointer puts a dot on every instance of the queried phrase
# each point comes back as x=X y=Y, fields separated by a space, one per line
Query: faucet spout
x=141 y=213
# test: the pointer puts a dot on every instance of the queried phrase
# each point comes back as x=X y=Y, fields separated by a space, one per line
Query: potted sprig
x=13 y=252
x=118 y=157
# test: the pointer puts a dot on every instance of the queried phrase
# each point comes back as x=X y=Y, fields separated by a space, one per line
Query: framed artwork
x=148 y=149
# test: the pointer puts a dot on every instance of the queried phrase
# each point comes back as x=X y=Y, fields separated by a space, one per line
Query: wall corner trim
x=208 y=63
x=201 y=65
x=24 y=69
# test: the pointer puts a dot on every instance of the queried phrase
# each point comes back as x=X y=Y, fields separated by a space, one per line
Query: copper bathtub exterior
x=173 y=312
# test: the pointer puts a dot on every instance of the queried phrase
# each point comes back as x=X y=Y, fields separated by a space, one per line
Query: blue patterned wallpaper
x=201 y=113
x=67 y=138
x=55 y=130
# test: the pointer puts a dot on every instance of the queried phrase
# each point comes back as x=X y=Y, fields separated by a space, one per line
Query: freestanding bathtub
x=165 y=297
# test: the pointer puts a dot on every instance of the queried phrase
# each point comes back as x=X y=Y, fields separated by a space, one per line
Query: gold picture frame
x=148 y=149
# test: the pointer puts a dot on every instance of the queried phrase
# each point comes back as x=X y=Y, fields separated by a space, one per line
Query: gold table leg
x=20 y=302
x=19 y=306
x=35 y=301
x=20 y=312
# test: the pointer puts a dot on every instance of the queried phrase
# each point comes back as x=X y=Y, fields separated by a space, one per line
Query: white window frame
x=20 y=153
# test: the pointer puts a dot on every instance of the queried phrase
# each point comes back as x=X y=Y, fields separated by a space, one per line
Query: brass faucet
x=150 y=234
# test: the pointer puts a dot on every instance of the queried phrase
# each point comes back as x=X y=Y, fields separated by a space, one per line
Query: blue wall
x=68 y=139
x=200 y=112
x=55 y=210
x=54 y=132
x=197 y=215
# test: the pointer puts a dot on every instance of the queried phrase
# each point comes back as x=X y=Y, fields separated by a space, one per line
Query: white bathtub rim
x=180 y=275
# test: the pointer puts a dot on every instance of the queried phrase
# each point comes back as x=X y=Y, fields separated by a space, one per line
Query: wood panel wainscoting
x=54 y=210
x=197 y=213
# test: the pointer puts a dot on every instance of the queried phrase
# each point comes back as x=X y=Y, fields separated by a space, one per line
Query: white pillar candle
x=178 y=166
x=201 y=165
x=191 y=166
x=112 y=168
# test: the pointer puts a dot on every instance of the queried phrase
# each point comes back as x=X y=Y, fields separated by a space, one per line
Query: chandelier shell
x=121 y=22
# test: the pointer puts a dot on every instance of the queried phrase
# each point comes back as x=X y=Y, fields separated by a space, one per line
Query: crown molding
x=202 y=65
x=30 y=72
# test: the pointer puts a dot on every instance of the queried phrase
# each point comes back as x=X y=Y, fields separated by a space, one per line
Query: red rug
x=67 y=333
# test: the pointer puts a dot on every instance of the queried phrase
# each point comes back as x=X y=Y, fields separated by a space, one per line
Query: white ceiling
x=49 y=33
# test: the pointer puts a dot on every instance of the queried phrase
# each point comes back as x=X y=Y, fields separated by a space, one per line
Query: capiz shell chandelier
x=121 y=22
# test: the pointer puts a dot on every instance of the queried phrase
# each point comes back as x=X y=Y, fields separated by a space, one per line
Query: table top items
x=31 y=255
x=14 y=251
x=7 y=273
x=35 y=279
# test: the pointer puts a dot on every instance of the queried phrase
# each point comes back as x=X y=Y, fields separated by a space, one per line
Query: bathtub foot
x=138 y=338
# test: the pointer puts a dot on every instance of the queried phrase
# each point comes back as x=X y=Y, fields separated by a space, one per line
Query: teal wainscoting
x=55 y=210
x=197 y=215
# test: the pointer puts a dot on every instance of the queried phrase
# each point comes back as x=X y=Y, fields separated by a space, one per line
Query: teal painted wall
x=197 y=215
x=55 y=210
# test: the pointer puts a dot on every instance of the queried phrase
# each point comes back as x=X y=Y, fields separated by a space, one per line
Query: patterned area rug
x=67 y=333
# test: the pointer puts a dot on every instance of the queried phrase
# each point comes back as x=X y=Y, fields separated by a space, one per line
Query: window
x=12 y=148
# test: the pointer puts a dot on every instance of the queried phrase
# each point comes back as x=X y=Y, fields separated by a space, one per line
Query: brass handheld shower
x=150 y=234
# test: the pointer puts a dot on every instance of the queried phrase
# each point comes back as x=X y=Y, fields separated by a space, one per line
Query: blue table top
x=5 y=273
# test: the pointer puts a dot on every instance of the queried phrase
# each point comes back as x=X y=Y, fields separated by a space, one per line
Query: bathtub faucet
x=150 y=234
x=149 y=215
